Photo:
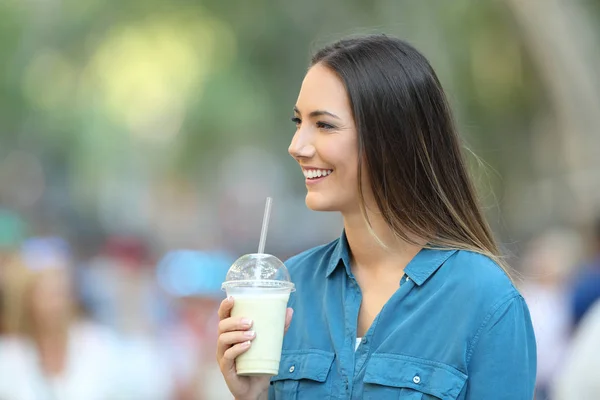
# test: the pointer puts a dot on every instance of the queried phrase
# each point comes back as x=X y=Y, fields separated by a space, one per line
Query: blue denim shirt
x=456 y=328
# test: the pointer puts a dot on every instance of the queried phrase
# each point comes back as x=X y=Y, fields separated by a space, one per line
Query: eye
x=325 y=126
x=297 y=121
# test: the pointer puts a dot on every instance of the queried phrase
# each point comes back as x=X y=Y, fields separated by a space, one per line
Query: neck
x=368 y=252
x=52 y=350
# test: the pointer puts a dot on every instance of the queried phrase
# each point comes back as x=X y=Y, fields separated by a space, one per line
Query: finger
x=228 y=339
x=289 y=313
x=234 y=324
x=225 y=308
x=228 y=359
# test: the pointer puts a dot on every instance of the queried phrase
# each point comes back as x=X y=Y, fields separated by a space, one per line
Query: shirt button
x=364 y=340
x=417 y=379
x=292 y=368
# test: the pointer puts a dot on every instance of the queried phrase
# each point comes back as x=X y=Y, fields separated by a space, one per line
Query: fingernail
x=246 y=344
x=292 y=312
x=246 y=322
x=230 y=299
x=249 y=333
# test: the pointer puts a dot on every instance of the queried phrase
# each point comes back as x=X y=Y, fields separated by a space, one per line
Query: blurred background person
x=48 y=351
x=118 y=286
x=547 y=265
x=579 y=375
x=52 y=351
x=576 y=377
x=193 y=279
x=585 y=287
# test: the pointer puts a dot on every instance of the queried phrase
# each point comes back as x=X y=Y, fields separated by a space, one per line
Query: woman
x=47 y=354
x=412 y=301
x=51 y=353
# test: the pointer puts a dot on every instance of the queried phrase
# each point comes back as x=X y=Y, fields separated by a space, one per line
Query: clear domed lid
x=258 y=270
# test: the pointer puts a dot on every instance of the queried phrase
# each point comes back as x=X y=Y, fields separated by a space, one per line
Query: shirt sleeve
x=502 y=357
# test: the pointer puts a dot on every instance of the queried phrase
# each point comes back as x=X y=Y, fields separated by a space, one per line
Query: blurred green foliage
x=97 y=89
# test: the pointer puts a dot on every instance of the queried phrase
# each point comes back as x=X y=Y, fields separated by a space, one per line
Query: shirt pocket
x=395 y=376
x=303 y=375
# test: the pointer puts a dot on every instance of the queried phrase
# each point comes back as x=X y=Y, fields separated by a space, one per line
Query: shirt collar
x=341 y=252
x=425 y=263
x=419 y=269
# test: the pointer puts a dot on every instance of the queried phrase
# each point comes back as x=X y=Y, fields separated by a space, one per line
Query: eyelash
x=320 y=125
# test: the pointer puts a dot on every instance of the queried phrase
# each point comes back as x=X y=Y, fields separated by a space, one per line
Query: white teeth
x=316 y=173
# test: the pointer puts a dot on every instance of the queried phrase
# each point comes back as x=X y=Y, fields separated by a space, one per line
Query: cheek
x=348 y=170
x=339 y=151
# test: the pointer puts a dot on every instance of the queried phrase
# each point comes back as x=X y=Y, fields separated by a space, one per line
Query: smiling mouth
x=314 y=174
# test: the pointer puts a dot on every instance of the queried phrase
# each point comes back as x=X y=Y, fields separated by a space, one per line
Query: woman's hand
x=235 y=338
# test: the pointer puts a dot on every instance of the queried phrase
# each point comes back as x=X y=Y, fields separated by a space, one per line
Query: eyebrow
x=317 y=113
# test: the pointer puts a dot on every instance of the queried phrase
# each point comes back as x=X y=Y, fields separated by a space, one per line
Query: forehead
x=322 y=89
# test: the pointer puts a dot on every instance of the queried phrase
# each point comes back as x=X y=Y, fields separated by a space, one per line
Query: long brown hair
x=408 y=144
x=20 y=283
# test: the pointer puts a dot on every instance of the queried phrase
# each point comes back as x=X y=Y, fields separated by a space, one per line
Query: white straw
x=265 y=226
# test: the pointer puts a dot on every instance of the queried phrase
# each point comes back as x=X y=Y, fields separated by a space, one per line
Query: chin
x=317 y=202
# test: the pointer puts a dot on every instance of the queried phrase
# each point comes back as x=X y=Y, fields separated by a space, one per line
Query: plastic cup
x=260 y=285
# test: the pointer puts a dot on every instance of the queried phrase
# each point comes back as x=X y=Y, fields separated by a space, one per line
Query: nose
x=301 y=146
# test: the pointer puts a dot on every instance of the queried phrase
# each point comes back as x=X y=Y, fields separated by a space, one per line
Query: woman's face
x=326 y=142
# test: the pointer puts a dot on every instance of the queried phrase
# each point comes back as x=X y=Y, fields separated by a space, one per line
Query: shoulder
x=17 y=361
x=13 y=348
x=317 y=258
x=308 y=270
x=479 y=280
x=484 y=294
